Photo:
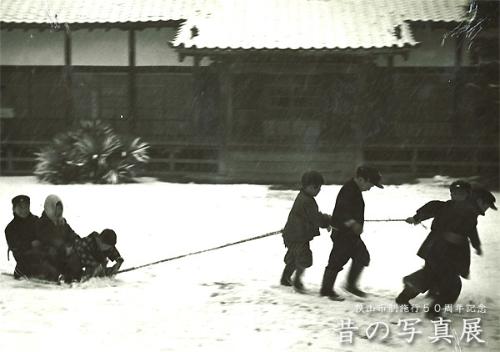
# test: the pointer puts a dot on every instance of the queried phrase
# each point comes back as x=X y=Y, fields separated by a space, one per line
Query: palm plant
x=92 y=153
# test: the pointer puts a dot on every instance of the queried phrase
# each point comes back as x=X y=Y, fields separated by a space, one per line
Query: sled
x=34 y=280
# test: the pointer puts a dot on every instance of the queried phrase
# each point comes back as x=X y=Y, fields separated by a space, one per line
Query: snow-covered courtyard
x=230 y=299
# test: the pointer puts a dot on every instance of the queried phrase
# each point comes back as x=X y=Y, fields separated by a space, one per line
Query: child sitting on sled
x=57 y=238
x=21 y=238
x=301 y=227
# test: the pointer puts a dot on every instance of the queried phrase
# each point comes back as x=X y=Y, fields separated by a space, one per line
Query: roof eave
x=92 y=25
x=194 y=51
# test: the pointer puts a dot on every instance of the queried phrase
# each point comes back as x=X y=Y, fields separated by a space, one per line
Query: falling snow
x=229 y=299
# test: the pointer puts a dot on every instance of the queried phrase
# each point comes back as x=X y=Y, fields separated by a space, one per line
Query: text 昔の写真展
x=408 y=330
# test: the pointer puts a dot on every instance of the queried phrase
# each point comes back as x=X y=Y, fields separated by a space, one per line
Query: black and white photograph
x=249 y=175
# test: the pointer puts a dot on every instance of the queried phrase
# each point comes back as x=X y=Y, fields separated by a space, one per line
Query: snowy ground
x=230 y=300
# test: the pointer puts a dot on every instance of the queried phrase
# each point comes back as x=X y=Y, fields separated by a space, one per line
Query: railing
x=433 y=159
x=183 y=159
x=18 y=158
x=191 y=159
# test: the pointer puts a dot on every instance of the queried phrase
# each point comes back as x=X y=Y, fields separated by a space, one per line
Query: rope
x=379 y=220
x=201 y=251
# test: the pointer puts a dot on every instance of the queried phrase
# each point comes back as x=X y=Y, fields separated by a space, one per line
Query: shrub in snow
x=91 y=153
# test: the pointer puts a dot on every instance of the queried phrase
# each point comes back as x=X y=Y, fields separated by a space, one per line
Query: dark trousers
x=347 y=246
x=34 y=263
x=440 y=279
x=66 y=264
x=71 y=268
x=298 y=254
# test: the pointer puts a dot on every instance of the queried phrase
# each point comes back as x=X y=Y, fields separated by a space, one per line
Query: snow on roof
x=98 y=11
x=314 y=24
x=253 y=24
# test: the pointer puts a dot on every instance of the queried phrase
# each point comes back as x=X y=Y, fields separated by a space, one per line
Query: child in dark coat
x=446 y=249
x=95 y=250
x=20 y=235
x=22 y=241
x=347 y=221
x=301 y=227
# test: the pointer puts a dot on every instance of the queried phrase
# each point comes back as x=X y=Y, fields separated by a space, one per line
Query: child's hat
x=371 y=174
x=460 y=185
x=108 y=237
x=20 y=199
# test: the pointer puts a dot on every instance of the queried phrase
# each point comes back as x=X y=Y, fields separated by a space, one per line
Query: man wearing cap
x=20 y=236
x=347 y=222
x=94 y=252
x=446 y=249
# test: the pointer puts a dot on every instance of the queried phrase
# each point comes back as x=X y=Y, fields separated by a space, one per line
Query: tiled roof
x=98 y=11
x=427 y=10
x=314 y=24
x=253 y=24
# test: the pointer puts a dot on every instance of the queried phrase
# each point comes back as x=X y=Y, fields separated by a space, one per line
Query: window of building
x=33 y=102
x=165 y=104
x=100 y=95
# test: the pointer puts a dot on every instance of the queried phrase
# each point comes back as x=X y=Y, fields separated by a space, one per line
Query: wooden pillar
x=132 y=91
x=31 y=94
x=68 y=74
x=456 y=118
x=225 y=136
x=360 y=111
x=197 y=95
x=389 y=96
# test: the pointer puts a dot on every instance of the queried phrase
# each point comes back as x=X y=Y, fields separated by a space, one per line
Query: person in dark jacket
x=57 y=238
x=347 y=224
x=459 y=191
x=301 y=227
x=446 y=249
x=20 y=237
x=94 y=251
x=20 y=234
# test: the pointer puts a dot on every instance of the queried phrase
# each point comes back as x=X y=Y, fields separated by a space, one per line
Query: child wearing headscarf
x=57 y=237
